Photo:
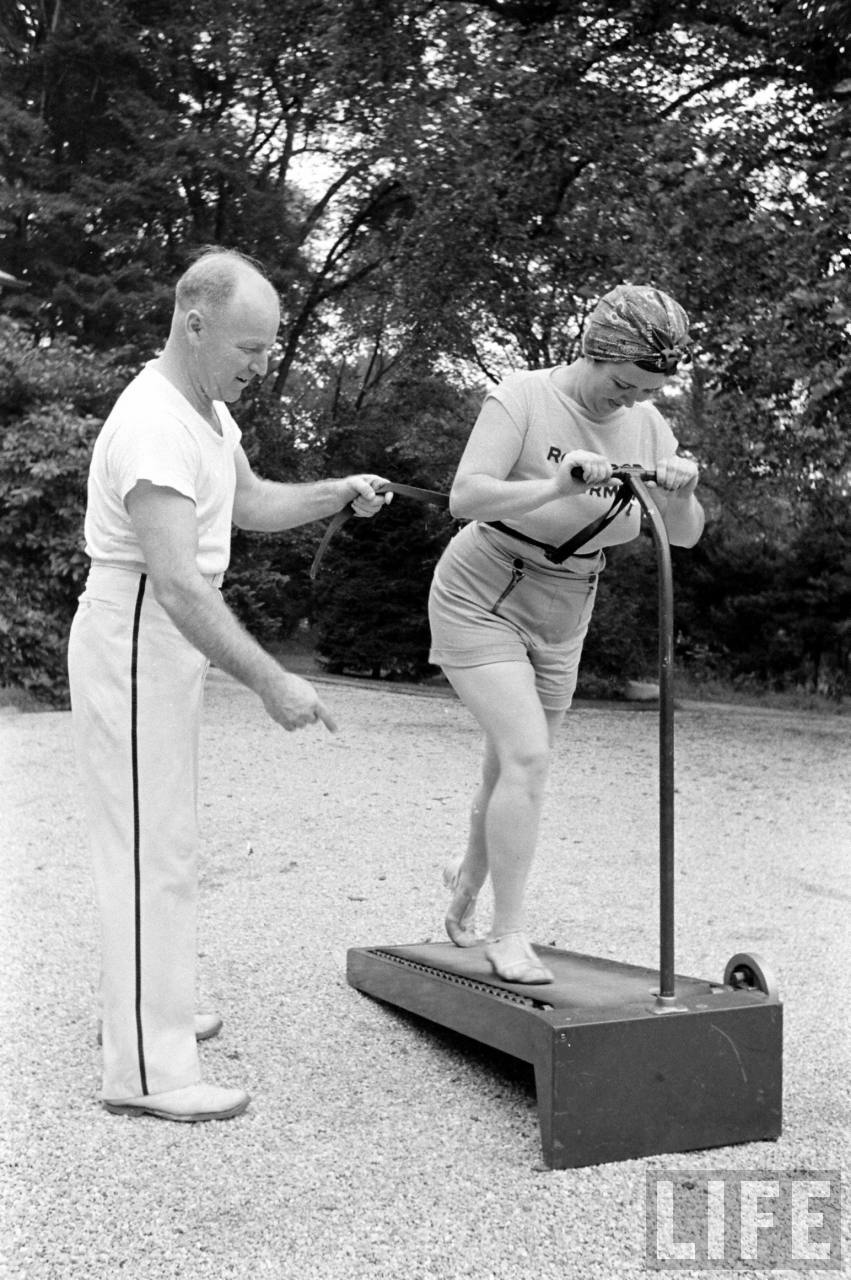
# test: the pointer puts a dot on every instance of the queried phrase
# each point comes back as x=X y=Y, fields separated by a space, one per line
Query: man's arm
x=165 y=524
x=268 y=506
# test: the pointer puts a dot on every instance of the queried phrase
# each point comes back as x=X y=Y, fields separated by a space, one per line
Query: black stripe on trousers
x=137 y=878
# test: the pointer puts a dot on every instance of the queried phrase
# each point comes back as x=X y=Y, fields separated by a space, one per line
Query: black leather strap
x=546 y=547
x=337 y=521
x=558 y=555
x=622 y=499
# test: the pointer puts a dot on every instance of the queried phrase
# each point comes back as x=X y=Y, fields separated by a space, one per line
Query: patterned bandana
x=640 y=324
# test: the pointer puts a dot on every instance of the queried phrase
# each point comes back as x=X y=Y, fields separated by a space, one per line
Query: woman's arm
x=673 y=493
x=480 y=490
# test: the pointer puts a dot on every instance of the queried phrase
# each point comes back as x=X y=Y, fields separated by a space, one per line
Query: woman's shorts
x=490 y=602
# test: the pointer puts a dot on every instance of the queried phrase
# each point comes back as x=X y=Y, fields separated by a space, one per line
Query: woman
x=507 y=622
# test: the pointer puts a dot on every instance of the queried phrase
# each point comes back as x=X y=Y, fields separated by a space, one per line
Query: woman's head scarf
x=640 y=324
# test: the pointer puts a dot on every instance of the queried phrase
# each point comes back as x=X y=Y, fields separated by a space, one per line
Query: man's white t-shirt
x=154 y=434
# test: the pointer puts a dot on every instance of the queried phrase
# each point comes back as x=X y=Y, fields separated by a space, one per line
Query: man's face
x=610 y=385
x=233 y=344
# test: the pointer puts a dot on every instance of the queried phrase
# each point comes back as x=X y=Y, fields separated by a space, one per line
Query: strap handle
x=337 y=521
x=622 y=499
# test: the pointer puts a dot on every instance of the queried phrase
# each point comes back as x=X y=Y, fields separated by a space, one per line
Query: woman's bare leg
x=466 y=876
x=507 y=809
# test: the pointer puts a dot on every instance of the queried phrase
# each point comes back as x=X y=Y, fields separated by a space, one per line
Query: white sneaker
x=192 y=1103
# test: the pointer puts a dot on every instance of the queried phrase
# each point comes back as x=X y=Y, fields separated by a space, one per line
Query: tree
x=563 y=148
x=137 y=132
x=480 y=173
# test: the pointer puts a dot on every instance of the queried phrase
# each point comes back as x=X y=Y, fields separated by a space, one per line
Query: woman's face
x=610 y=385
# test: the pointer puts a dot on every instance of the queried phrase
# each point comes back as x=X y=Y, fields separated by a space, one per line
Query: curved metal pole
x=666 y=739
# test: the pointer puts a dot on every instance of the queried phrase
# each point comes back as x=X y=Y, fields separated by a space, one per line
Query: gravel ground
x=377 y=1145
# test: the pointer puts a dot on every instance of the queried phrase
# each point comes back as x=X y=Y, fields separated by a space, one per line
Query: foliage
x=369 y=604
x=772 y=609
x=51 y=401
x=258 y=593
x=137 y=133
x=440 y=193
x=622 y=639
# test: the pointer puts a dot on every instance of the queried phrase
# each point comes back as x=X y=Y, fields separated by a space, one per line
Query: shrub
x=51 y=404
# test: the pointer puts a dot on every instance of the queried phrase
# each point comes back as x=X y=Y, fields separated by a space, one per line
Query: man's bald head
x=214 y=278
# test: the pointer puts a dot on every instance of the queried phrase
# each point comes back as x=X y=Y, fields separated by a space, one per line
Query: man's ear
x=194 y=324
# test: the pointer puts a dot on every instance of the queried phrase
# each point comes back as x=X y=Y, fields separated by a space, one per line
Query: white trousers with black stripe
x=136 y=694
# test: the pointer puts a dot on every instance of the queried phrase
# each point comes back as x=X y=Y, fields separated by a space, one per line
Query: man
x=168 y=478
